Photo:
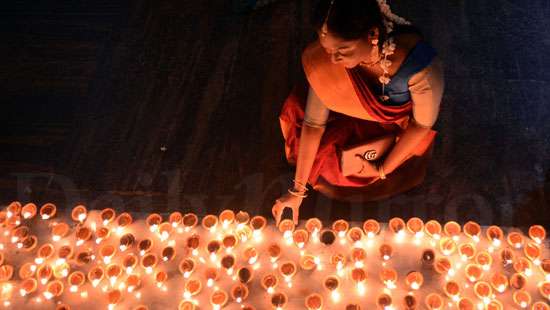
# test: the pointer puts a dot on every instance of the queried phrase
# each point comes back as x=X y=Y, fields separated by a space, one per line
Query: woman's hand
x=287 y=201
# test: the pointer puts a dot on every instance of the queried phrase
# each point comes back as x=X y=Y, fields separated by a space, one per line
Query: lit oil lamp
x=384 y=301
x=128 y=240
x=258 y=224
x=433 y=229
x=484 y=259
x=472 y=230
x=518 y=281
x=447 y=246
x=359 y=277
x=499 y=282
x=274 y=251
x=331 y=284
x=148 y=262
x=19 y=233
x=545 y=267
x=250 y=255
x=60 y=230
x=160 y=279
x=358 y=257
x=239 y=292
x=269 y=282
x=242 y=218
x=79 y=213
x=522 y=298
x=144 y=246
x=95 y=275
x=227 y=262
x=129 y=262
x=483 y=291
x=76 y=279
x=386 y=251
x=415 y=226
x=428 y=258
x=112 y=272
x=495 y=235
x=523 y=265
x=193 y=243
x=82 y=234
x=355 y=235
x=186 y=305
x=307 y=262
x=153 y=221
x=210 y=222
x=327 y=237
x=314 y=301
x=226 y=218
x=133 y=281
x=27 y=286
x=300 y=238
x=64 y=253
x=28 y=244
x=245 y=274
x=107 y=215
x=186 y=267
x=507 y=256
x=61 y=269
x=279 y=300
x=175 y=219
x=397 y=226
x=466 y=251
x=452 y=229
x=53 y=289
x=494 y=304
x=101 y=234
x=544 y=289
x=27 y=270
x=44 y=253
x=211 y=275
x=414 y=280
x=29 y=211
x=190 y=220
x=533 y=252
x=286 y=227
x=213 y=247
x=473 y=272
x=340 y=227
x=452 y=290
x=515 y=239
x=442 y=265
x=466 y=303
x=338 y=260
x=314 y=226
x=288 y=270
x=84 y=257
x=168 y=253
x=123 y=221
x=6 y=272
x=13 y=209
x=244 y=233
x=371 y=228
x=540 y=305
x=47 y=211
x=537 y=233
x=388 y=276
x=218 y=299
x=113 y=297
x=106 y=253
x=409 y=302
x=229 y=242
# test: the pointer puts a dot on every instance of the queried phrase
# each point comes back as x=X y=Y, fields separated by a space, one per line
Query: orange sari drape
x=356 y=117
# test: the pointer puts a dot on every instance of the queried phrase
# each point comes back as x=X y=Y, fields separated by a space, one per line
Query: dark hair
x=352 y=19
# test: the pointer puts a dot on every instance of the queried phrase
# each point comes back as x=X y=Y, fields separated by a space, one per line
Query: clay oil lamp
x=434 y=301
x=28 y=244
x=447 y=246
x=47 y=211
x=82 y=234
x=79 y=213
x=499 y=282
x=286 y=227
x=314 y=226
x=27 y=270
x=540 y=305
x=112 y=272
x=355 y=235
x=228 y=262
x=507 y=256
x=61 y=269
x=484 y=259
x=168 y=253
x=428 y=258
x=409 y=302
x=472 y=230
x=6 y=272
x=190 y=220
x=307 y=262
x=388 y=276
x=239 y=292
x=218 y=299
x=483 y=291
x=331 y=284
x=95 y=275
x=148 y=262
x=27 y=286
x=494 y=304
x=518 y=281
x=314 y=301
x=193 y=243
x=300 y=238
x=522 y=298
x=452 y=229
x=186 y=305
x=133 y=281
x=269 y=282
x=384 y=301
x=274 y=252
x=397 y=226
x=153 y=221
x=338 y=260
x=245 y=274
x=250 y=255
x=474 y=272
x=84 y=257
x=371 y=228
x=13 y=209
x=165 y=230
x=279 y=300
x=209 y=223
x=386 y=251
x=211 y=275
x=353 y=307
x=442 y=265
x=523 y=265
x=127 y=241
x=101 y=234
x=242 y=218
x=29 y=211
x=533 y=252
x=515 y=240
x=288 y=270
x=495 y=235
x=414 y=280
x=144 y=246
x=466 y=303
x=226 y=218
x=433 y=229
x=359 y=277
x=340 y=227
x=452 y=290
x=466 y=251
x=123 y=221
x=160 y=279
x=107 y=215
x=76 y=279
x=537 y=233
x=544 y=290
x=129 y=262
x=258 y=224
x=18 y=234
x=244 y=233
x=328 y=237
x=44 y=253
x=545 y=267
x=53 y=289
x=229 y=242
x=175 y=219
x=186 y=267
x=113 y=297
x=358 y=257
x=44 y=273
x=415 y=226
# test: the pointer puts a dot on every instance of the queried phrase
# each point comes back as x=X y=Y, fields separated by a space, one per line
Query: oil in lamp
x=47 y=211
x=245 y=274
x=340 y=227
x=483 y=291
x=122 y=221
x=522 y=298
x=53 y=289
x=499 y=282
x=133 y=281
x=388 y=276
x=452 y=290
x=127 y=241
x=358 y=257
x=79 y=213
x=472 y=230
x=75 y=280
x=258 y=223
x=518 y=281
x=467 y=251
x=190 y=220
x=6 y=272
x=211 y=274
x=148 y=262
x=300 y=238
x=106 y=253
x=414 y=280
x=27 y=286
x=473 y=272
x=328 y=237
x=288 y=270
x=210 y=222
x=186 y=267
x=227 y=262
x=415 y=226
x=314 y=301
x=145 y=246
x=192 y=288
x=331 y=284
x=484 y=259
x=434 y=301
x=359 y=277
x=269 y=282
x=397 y=226
x=83 y=234
x=107 y=215
x=175 y=219
x=384 y=301
x=452 y=229
x=371 y=228
x=239 y=292
x=433 y=229
x=515 y=240
x=533 y=252
x=466 y=303
x=537 y=233
x=218 y=299
x=386 y=251
x=129 y=262
x=29 y=211
x=153 y=221
x=226 y=217
x=279 y=300
x=101 y=234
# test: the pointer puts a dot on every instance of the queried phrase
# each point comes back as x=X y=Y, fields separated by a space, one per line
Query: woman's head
x=347 y=29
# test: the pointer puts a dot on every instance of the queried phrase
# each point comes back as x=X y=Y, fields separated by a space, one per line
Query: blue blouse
x=398 y=89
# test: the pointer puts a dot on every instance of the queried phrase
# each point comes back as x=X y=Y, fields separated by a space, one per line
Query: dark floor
x=164 y=105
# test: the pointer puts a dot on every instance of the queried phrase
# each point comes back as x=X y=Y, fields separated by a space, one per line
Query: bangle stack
x=298 y=193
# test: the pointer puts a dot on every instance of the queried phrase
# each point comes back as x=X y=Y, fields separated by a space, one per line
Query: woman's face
x=348 y=53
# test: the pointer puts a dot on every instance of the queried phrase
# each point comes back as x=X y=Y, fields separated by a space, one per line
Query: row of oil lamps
x=447 y=237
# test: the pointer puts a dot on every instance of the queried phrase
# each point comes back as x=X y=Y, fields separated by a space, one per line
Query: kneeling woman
x=360 y=128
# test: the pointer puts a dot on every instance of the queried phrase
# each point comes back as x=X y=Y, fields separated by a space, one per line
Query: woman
x=370 y=77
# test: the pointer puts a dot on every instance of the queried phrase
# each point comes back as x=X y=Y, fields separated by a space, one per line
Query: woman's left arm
x=426 y=88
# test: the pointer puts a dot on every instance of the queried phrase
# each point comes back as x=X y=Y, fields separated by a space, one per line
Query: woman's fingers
x=277 y=211
x=295 y=214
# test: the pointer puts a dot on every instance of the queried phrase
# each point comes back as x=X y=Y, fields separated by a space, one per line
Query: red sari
x=356 y=117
